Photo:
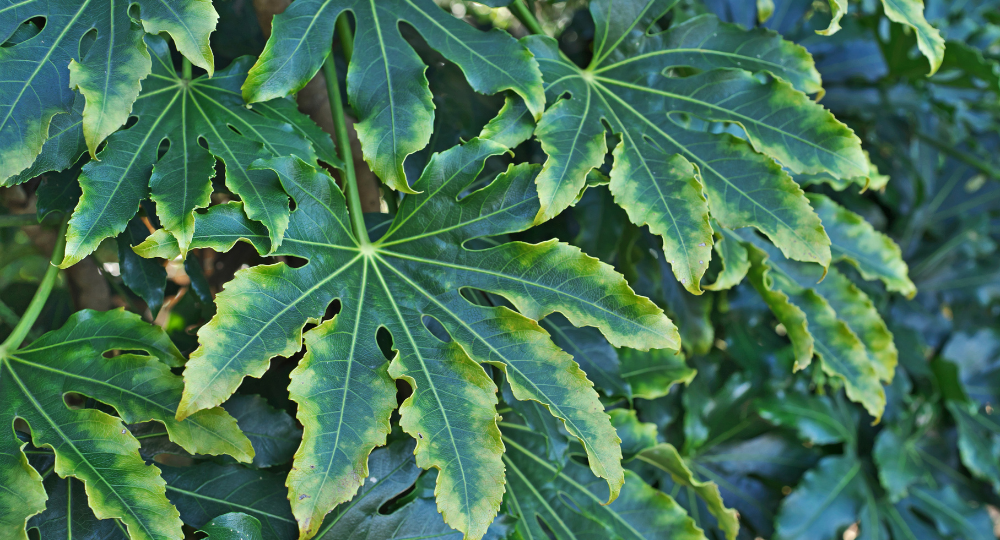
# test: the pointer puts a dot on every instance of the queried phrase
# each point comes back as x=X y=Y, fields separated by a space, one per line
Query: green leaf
x=854 y=240
x=68 y=516
x=816 y=419
x=597 y=358
x=827 y=500
x=272 y=432
x=838 y=8
x=386 y=85
x=413 y=273
x=929 y=40
x=829 y=317
x=666 y=163
x=950 y=514
x=218 y=228
x=735 y=263
x=569 y=502
x=899 y=461
x=233 y=526
x=393 y=472
x=636 y=436
x=207 y=489
x=146 y=278
x=23 y=494
x=664 y=456
x=185 y=114
x=978 y=441
x=94 y=446
x=652 y=374
x=107 y=72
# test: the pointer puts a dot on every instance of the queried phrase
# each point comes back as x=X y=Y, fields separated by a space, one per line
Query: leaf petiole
x=527 y=18
x=31 y=314
x=186 y=68
x=340 y=126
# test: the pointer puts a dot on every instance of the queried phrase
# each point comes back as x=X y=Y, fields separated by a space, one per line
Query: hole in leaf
x=294 y=262
x=162 y=149
x=333 y=309
x=74 y=400
x=236 y=131
x=86 y=42
x=435 y=327
x=23 y=32
x=203 y=142
x=383 y=338
x=395 y=503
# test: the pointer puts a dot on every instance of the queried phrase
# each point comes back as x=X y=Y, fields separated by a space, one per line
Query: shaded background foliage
x=787 y=450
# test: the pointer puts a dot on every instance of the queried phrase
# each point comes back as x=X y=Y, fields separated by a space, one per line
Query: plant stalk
x=186 y=68
x=13 y=341
x=527 y=18
x=346 y=37
x=964 y=157
x=340 y=127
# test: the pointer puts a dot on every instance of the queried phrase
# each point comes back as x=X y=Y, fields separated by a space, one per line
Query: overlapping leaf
x=414 y=273
x=385 y=79
x=826 y=316
x=67 y=514
x=94 y=446
x=94 y=46
x=567 y=502
x=665 y=164
x=201 y=120
x=208 y=489
x=392 y=472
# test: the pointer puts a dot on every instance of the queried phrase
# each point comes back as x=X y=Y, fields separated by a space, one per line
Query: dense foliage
x=628 y=269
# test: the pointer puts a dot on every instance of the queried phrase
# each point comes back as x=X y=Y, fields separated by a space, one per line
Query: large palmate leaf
x=669 y=172
x=92 y=445
x=94 y=46
x=409 y=281
x=385 y=78
x=201 y=120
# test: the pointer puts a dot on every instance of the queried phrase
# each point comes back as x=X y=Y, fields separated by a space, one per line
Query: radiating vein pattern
x=426 y=287
x=665 y=94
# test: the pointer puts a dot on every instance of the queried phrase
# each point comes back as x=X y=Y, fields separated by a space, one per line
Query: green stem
x=186 y=68
x=346 y=37
x=527 y=18
x=340 y=127
x=964 y=157
x=31 y=314
x=18 y=220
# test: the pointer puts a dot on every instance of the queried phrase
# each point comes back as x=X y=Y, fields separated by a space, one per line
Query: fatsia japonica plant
x=501 y=269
